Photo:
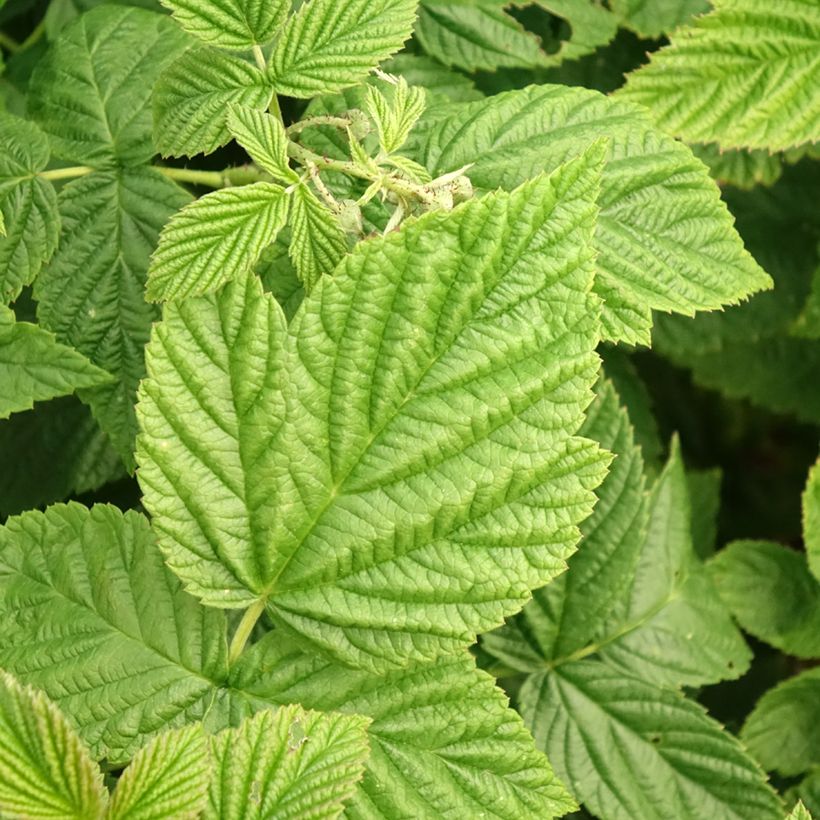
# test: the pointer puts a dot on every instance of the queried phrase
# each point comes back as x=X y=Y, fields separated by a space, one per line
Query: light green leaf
x=799 y=812
x=330 y=44
x=652 y=18
x=665 y=240
x=29 y=221
x=443 y=742
x=92 y=293
x=193 y=96
x=811 y=520
x=263 y=137
x=127 y=653
x=215 y=239
x=168 y=778
x=236 y=24
x=304 y=764
x=476 y=36
x=317 y=241
x=45 y=771
x=370 y=468
x=744 y=76
x=91 y=91
x=590 y=23
x=395 y=117
x=35 y=367
x=629 y=749
x=772 y=594
x=783 y=731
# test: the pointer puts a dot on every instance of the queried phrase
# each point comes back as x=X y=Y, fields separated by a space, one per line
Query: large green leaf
x=45 y=771
x=772 y=594
x=29 y=221
x=652 y=18
x=369 y=470
x=90 y=614
x=330 y=44
x=92 y=292
x=193 y=96
x=237 y=24
x=304 y=765
x=744 y=76
x=91 y=92
x=215 y=239
x=631 y=750
x=35 y=367
x=665 y=240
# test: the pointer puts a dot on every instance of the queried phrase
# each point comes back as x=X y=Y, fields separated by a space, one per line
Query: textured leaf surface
x=783 y=731
x=772 y=594
x=168 y=778
x=35 y=367
x=90 y=614
x=263 y=137
x=631 y=750
x=665 y=240
x=811 y=520
x=317 y=241
x=741 y=168
x=744 y=76
x=91 y=294
x=287 y=763
x=193 y=96
x=215 y=239
x=330 y=44
x=237 y=24
x=440 y=83
x=591 y=25
x=799 y=812
x=91 y=92
x=29 y=219
x=652 y=18
x=370 y=469
x=45 y=771
x=443 y=742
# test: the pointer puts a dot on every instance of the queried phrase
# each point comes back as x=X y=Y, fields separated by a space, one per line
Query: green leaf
x=91 y=91
x=235 y=24
x=783 y=731
x=35 y=367
x=29 y=221
x=443 y=741
x=665 y=240
x=304 y=764
x=193 y=96
x=90 y=614
x=440 y=83
x=704 y=493
x=331 y=44
x=91 y=295
x=772 y=594
x=476 y=36
x=808 y=790
x=339 y=468
x=317 y=241
x=743 y=169
x=811 y=520
x=629 y=749
x=799 y=812
x=395 y=117
x=652 y=18
x=744 y=76
x=591 y=26
x=263 y=137
x=167 y=778
x=45 y=771
x=215 y=239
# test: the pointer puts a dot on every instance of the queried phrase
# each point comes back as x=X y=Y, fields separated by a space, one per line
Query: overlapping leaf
x=652 y=18
x=665 y=240
x=744 y=76
x=397 y=469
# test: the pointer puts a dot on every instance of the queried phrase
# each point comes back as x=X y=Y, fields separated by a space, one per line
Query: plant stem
x=252 y=614
x=66 y=173
x=213 y=179
x=9 y=43
x=298 y=127
x=37 y=32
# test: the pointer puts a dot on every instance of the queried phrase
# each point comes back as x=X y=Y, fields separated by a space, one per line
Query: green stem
x=298 y=127
x=66 y=173
x=213 y=179
x=252 y=614
x=37 y=32
x=9 y=43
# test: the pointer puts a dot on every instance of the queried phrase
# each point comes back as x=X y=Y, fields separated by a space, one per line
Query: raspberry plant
x=342 y=349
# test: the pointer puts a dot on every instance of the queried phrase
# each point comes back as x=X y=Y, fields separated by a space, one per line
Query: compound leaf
x=45 y=770
x=215 y=239
x=665 y=239
x=91 y=92
x=744 y=76
x=236 y=24
x=330 y=44
x=375 y=526
x=304 y=764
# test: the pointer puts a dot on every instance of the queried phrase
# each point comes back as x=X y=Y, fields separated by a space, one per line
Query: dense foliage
x=409 y=409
